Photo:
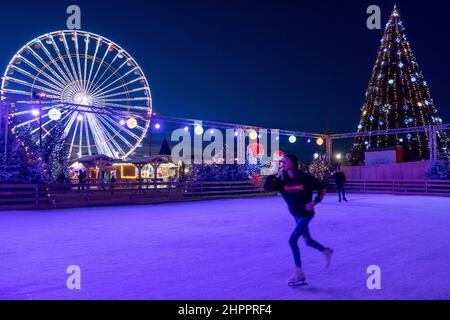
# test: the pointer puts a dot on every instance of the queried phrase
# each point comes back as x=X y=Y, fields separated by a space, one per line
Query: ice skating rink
x=228 y=249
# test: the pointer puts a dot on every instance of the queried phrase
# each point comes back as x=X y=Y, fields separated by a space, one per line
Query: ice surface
x=228 y=249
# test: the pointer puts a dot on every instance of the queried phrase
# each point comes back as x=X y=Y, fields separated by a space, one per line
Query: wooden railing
x=32 y=196
x=80 y=195
x=410 y=187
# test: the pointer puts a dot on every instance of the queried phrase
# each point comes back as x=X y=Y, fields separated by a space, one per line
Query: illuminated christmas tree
x=398 y=97
x=320 y=168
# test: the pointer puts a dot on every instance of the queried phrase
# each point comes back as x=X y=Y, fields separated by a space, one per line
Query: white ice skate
x=298 y=279
x=328 y=253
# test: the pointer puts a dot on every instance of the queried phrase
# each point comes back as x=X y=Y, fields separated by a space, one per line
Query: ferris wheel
x=92 y=93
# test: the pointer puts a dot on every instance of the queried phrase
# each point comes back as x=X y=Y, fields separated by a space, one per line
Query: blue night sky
x=296 y=65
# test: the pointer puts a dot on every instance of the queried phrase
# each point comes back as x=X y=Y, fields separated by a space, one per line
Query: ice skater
x=297 y=190
x=341 y=180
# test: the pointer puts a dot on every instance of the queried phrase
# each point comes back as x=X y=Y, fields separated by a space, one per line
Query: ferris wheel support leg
x=150 y=141
x=432 y=143
x=2 y=119
x=4 y=122
x=329 y=148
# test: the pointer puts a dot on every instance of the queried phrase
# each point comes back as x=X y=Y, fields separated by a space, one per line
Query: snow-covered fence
x=411 y=187
x=93 y=194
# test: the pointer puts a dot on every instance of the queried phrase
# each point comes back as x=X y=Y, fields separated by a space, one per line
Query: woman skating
x=297 y=190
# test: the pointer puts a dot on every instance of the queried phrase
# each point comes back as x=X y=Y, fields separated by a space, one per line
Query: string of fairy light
x=398 y=95
x=320 y=139
x=253 y=132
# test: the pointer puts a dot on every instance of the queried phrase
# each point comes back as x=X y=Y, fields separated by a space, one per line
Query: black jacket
x=340 y=179
x=297 y=192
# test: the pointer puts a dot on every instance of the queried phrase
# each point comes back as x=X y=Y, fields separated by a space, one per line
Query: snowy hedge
x=219 y=172
x=439 y=170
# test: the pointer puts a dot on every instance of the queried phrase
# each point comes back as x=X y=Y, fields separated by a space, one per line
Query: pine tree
x=40 y=164
x=20 y=165
x=55 y=154
x=398 y=97
x=439 y=170
x=320 y=168
x=254 y=167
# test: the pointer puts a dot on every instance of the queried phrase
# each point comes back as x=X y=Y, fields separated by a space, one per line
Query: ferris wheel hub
x=83 y=98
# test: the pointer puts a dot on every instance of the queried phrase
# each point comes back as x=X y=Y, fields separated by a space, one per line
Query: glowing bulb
x=54 y=114
x=186 y=128
x=157 y=126
x=35 y=112
x=132 y=123
x=319 y=141
x=338 y=156
x=292 y=139
x=316 y=155
x=253 y=135
x=122 y=122
x=80 y=117
x=198 y=130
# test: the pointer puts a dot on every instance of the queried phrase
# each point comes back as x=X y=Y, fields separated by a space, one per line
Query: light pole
x=150 y=141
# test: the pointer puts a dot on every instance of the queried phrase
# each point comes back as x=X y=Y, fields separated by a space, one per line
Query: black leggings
x=302 y=230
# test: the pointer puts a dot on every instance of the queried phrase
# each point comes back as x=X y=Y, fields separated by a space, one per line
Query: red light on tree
x=256 y=149
x=277 y=155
